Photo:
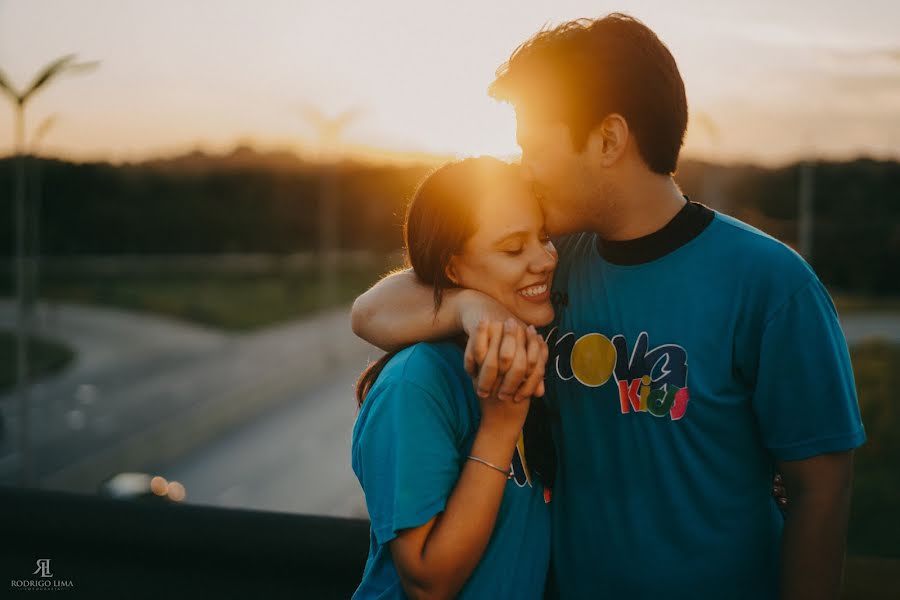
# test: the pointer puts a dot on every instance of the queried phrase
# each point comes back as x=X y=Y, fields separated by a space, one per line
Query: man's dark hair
x=583 y=70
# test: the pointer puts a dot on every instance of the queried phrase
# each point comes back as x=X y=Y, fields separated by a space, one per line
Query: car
x=143 y=487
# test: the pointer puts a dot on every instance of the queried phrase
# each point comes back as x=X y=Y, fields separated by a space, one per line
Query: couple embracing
x=592 y=380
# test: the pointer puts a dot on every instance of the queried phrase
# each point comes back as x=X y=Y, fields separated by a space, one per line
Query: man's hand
x=779 y=491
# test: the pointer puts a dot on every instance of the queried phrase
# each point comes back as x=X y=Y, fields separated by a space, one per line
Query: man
x=691 y=355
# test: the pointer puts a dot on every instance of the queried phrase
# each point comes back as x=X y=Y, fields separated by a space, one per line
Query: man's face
x=559 y=175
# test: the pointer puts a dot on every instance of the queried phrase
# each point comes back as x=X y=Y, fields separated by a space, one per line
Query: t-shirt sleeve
x=409 y=459
x=805 y=396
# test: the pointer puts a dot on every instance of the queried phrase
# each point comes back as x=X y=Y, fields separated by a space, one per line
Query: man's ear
x=607 y=141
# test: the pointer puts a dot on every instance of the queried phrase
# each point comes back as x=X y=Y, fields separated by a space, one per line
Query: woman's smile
x=538 y=293
x=510 y=256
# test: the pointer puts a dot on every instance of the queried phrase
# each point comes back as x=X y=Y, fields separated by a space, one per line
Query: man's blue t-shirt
x=410 y=443
x=678 y=383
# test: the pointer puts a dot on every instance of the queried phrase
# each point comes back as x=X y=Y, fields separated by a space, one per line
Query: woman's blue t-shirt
x=410 y=443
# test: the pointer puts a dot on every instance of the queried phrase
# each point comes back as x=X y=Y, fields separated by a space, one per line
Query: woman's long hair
x=439 y=219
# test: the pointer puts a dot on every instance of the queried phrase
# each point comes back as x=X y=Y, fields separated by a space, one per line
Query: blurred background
x=191 y=194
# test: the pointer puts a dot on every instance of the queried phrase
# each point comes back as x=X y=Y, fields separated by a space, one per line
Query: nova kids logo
x=650 y=380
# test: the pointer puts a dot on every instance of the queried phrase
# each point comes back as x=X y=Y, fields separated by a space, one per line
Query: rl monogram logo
x=43 y=567
x=45 y=581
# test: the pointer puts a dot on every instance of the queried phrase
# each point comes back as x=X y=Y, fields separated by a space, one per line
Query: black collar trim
x=690 y=222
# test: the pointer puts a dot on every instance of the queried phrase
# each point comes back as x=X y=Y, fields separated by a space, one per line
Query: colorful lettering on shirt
x=518 y=468
x=649 y=380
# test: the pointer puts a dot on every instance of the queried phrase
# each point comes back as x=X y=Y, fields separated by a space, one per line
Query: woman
x=455 y=510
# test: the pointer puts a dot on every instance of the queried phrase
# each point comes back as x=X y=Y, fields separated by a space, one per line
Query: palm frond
x=46 y=74
x=7 y=87
x=44 y=127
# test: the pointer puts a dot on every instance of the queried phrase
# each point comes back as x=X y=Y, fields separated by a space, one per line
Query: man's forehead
x=526 y=117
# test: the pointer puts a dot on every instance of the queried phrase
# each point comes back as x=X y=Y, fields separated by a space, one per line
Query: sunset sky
x=767 y=81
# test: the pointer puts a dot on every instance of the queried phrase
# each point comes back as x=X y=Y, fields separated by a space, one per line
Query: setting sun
x=762 y=85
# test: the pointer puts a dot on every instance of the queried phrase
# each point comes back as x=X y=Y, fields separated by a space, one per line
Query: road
x=297 y=459
x=258 y=420
x=861 y=326
x=146 y=390
x=294 y=459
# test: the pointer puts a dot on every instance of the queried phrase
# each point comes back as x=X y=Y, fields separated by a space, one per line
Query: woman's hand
x=496 y=357
x=501 y=414
x=435 y=559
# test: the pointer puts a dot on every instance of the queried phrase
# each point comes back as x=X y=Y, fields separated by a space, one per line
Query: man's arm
x=399 y=311
x=815 y=531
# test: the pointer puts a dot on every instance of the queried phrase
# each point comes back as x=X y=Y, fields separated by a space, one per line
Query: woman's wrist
x=495 y=444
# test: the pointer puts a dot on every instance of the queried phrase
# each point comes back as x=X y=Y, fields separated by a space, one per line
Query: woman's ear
x=451 y=271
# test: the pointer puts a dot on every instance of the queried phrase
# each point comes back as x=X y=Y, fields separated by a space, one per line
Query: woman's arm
x=436 y=559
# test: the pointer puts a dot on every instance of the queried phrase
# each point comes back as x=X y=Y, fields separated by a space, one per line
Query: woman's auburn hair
x=440 y=218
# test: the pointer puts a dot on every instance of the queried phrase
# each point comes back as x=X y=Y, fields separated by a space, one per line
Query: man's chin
x=559 y=223
x=560 y=229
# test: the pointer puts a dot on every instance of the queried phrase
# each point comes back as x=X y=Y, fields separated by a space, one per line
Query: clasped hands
x=505 y=358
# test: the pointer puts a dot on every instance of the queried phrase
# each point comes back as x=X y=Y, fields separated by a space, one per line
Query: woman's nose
x=544 y=260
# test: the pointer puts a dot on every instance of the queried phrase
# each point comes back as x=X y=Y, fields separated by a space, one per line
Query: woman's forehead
x=511 y=209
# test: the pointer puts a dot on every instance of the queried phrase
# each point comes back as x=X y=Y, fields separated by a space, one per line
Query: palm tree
x=20 y=100
x=329 y=131
x=36 y=197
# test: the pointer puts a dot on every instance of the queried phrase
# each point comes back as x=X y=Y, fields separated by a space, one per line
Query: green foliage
x=871 y=578
x=233 y=301
x=875 y=514
x=252 y=202
x=200 y=205
x=856 y=207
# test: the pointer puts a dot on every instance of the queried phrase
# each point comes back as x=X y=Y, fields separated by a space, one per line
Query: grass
x=46 y=358
x=871 y=578
x=875 y=515
x=873 y=568
x=229 y=301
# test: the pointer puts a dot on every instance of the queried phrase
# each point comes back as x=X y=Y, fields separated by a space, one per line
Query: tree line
x=269 y=203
